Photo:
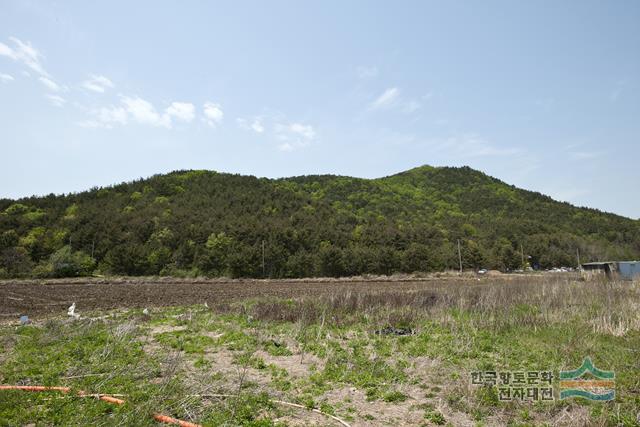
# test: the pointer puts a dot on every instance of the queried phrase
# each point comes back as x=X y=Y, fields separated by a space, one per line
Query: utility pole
x=459 y=256
x=578 y=256
x=263 y=258
x=522 y=256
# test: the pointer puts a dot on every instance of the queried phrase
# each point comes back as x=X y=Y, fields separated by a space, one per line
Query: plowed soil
x=40 y=298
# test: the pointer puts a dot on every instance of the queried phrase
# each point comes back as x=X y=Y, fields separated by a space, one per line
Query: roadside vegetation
x=366 y=357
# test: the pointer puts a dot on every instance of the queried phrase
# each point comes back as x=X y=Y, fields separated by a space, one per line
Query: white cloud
x=464 y=145
x=7 y=51
x=294 y=135
x=304 y=131
x=24 y=53
x=254 y=124
x=92 y=124
x=29 y=56
x=144 y=112
x=290 y=136
x=618 y=90
x=614 y=95
x=287 y=146
x=581 y=151
x=106 y=118
x=184 y=111
x=56 y=101
x=388 y=98
x=97 y=83
x=213 y=114
x=50 y=84
x=411 y=106
x=365 y=73
x=6 y=78
x=138 y=110
x=391 y=98
x=257 y=126
x=113 y=115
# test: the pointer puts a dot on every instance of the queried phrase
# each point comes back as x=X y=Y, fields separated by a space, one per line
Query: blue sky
x=544 y=95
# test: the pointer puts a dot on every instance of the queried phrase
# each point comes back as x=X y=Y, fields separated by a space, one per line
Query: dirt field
x=38 y=298
x=400 y=351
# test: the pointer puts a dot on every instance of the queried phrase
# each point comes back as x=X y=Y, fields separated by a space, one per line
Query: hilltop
x=207 y=223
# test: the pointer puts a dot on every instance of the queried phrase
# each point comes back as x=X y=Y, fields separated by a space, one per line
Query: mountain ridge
x=294 y=177
x=191 y=222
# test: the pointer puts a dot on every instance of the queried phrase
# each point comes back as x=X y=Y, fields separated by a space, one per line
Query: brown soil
x=40 y=298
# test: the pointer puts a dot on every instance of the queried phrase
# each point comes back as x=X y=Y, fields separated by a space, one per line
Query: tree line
x=203 y=223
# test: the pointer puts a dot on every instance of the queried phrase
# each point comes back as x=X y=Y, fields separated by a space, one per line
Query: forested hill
x=214 y=224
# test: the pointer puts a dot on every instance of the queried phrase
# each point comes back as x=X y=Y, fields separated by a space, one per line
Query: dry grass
x=326 y=350
x=611 y=306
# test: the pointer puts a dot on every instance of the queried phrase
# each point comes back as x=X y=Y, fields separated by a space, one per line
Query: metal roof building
x=627 y=270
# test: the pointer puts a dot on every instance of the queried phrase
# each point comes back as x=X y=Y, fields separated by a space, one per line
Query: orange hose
x=34 y=388
x=170 y=420
x=105 y=397
x=111 y=399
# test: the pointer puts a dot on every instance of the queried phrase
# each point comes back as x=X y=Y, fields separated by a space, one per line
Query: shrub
x=67 y=263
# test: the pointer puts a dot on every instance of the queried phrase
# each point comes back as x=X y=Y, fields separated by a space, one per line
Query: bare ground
x=38 y=298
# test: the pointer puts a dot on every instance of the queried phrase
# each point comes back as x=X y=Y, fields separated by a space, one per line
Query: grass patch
x=329 y=353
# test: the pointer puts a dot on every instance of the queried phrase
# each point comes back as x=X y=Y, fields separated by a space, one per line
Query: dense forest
x=193 y=223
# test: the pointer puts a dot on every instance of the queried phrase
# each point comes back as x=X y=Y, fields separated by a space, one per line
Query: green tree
x=8 y=239
x=215 y=259
x=331 y=260
x=16 y=261
x=418 y=257
x=68 y=263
